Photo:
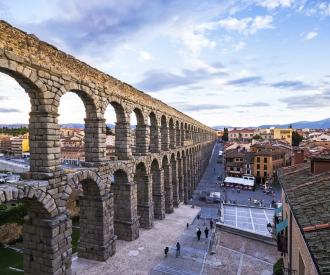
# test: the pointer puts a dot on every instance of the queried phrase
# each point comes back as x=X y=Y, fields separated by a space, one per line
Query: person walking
x=206 y=231
x=255 y=201
x=211 y=223
x=199 y=233
x=178 y=247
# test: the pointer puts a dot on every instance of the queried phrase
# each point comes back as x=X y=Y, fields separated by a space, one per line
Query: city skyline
x=222 y=63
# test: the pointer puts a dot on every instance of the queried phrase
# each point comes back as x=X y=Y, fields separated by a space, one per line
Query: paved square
x=249 y=218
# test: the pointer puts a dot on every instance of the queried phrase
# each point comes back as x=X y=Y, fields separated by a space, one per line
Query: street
x=208 y=183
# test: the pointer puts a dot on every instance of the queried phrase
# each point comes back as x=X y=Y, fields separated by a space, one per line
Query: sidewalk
x=193 y=253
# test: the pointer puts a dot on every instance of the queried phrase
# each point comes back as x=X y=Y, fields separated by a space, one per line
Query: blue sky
x=233 y=62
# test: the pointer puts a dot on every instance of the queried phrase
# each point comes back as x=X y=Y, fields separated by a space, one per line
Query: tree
x=257 y=137
x=109 y=131
x=234 y=128
x=225 y=134
x=296 y=138
x=239 y=135
x=290 y=126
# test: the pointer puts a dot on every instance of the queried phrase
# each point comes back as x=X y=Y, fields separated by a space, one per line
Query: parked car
x=203 y=194
x=2 y=181
x=216 y=197
x=210 y=198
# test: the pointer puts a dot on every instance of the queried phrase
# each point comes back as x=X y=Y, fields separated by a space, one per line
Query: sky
x=232 y=62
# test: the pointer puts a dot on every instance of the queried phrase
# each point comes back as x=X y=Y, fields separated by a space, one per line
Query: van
x=216 y=196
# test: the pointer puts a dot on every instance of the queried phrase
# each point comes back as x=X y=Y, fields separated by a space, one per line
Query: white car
x=216 y=196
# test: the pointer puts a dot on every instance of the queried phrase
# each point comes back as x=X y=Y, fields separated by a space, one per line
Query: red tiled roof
x=242 y=131
x=322 y=154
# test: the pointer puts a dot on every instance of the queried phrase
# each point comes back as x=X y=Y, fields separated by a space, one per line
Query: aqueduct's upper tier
x=42 y=56
x=47 y=73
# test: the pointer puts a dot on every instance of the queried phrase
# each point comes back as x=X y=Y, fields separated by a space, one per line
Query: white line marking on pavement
x=240 y=265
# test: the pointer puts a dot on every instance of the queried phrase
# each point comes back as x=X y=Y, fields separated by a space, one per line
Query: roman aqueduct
x=147 y=185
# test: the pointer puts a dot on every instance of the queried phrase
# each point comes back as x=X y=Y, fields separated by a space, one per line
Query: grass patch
x=10 y=258
x=75 y=237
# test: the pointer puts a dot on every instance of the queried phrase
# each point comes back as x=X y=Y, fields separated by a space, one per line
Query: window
x=265 y=174
x=265 y=167
x=258 y=173
x=234 y=135
x=231 y=135
x=241 y=159
x=248 y=166
x=265 y=160
x=288 y=136
x=301 y=265
x=258 y=159
x=251 y=135
x=247 y=171
x=258 y=166
x=246 y=135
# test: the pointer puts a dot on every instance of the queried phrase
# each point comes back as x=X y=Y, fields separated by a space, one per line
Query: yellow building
x=285 y=134
x=219 y=134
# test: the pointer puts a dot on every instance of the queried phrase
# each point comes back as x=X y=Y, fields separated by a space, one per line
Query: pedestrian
x=223 y=190
x=204 y=220
x=235 y=200
x=178 y=247
x=206 y=231
x=187 y=225
x=233 y=190
x=216 y=186
x=255 y=201
x=211 y=223
x=258 y=203
x=199 y=233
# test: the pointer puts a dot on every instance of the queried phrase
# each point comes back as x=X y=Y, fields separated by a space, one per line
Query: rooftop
x=308 y=196
x=322 y=154
x=269 y=153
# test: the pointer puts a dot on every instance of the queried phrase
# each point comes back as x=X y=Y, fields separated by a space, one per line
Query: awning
x=282 y=225
x=278 y=210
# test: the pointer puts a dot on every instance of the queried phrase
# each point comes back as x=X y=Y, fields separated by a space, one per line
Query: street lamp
x=269 y=228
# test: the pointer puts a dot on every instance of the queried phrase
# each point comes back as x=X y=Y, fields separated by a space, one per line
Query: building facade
x=284 y=134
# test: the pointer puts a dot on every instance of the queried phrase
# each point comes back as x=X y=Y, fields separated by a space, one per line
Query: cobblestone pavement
x=139 y=257
x=236 y=255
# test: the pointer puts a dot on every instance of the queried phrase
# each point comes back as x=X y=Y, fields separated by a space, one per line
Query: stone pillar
x=47 y=245
x=123 y=140
x=158 y=194
x=142 y=136
x=125 y=207
x=189 y=183
x=178 y=138
x=45 y=150
x=178 y=186
x=95 y=135
x=175 y=182
x=97 y=240
x=172 y=138
x=165 y=138
x=182 y=188
x=155 y=139
x=145 y=206
x=168 y=188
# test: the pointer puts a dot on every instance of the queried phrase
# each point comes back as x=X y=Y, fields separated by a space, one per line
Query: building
x=285 y=134
x=235 y=164
x=19 y=145
x=5 y=144
x=110 y=140
x=243 y=134
x=266 y=163
x=219 y=134
x=303 y=235
x=72 y=142
x=72 y=155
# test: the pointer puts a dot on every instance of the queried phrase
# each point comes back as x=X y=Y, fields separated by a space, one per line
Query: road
x=209 y=180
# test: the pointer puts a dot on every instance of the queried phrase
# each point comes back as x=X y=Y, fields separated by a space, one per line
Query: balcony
x=282 y=243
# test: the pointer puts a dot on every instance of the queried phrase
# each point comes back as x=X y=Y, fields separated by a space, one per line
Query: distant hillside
x=321 y=124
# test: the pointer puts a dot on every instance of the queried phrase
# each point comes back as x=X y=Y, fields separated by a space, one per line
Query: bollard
x=166 y=250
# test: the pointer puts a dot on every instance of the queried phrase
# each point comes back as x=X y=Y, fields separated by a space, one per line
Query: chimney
x=320 y=162
x=298 y=155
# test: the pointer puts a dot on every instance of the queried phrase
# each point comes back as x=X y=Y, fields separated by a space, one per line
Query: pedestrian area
x=249 y=218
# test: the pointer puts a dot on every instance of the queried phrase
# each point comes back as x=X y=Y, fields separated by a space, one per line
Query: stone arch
x=165 y=142
x=178 y=134
x=172 y=133
x=144 y=196
x=126 y=220
x=155 y=135
x=141 y=133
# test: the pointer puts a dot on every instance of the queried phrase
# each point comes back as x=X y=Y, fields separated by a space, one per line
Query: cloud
x=3 y=97
x=254 y=104
x=272 y=4
x=310 y=35
x=308 y=101
x=143 y=55
x=327 y=75
x=217 y=65
x=157 y=80
x=244 y=80
x=182 y=106
x=235 y=62
x=293 y=84
x=245 y=25
x=4 y=110
x=239 y=46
